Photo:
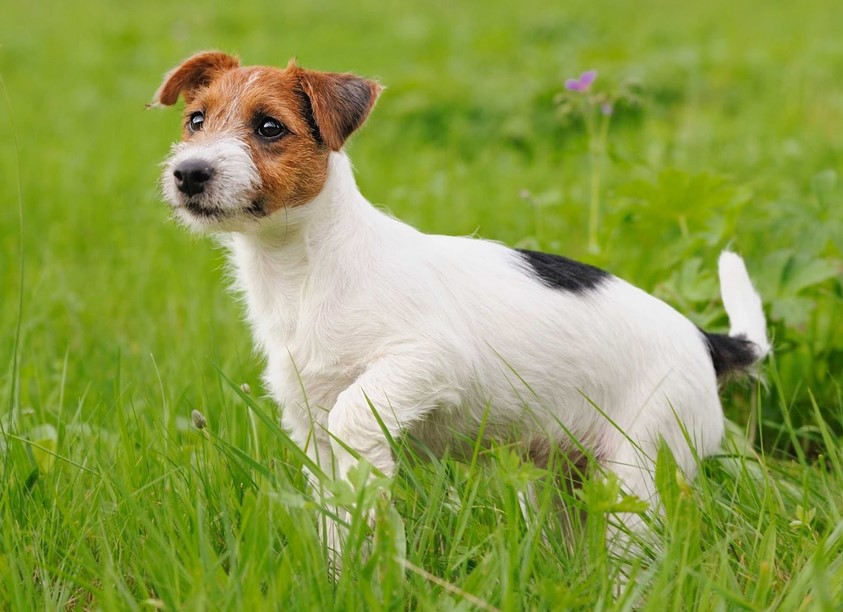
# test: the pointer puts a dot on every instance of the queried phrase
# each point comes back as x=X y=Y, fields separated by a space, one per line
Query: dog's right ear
x=193 y=74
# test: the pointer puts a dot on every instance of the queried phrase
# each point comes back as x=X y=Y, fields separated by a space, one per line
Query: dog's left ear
x=340 y=103
x=191 y=75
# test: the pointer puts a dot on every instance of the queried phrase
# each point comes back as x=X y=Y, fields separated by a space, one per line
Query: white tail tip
x=742 y=302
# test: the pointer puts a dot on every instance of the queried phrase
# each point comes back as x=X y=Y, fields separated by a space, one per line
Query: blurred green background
x=733 y=138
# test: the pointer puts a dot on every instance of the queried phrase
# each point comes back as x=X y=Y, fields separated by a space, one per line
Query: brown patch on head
x=293 y=165
x=191 y=75
x=315 y=111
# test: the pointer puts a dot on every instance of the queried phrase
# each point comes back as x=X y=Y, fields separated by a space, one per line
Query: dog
x=372 y=329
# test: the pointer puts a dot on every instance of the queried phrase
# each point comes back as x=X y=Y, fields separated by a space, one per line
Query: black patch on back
x=559 y=272
x=730 y=353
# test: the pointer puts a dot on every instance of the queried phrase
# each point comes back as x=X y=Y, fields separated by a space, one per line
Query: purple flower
x=606 y=108
x=583 y=83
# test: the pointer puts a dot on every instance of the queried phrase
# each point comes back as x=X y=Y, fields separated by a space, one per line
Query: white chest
x=294 y=324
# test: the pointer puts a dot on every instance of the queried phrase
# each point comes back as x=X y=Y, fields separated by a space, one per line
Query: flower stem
x=594 y=204
x=597 y=150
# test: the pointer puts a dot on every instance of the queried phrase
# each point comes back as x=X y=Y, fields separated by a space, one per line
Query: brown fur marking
x=319 y=110
x=193 y=74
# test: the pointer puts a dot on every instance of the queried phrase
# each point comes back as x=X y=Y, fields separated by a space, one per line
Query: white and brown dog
x=442 y=335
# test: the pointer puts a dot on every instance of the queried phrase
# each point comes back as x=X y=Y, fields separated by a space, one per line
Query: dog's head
x=256 y=139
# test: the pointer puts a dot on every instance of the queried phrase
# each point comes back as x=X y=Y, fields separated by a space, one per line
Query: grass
x=114 y=325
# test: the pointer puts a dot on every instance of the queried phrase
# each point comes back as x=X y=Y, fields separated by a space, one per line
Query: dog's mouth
x=211 y=212
x=198 y=209
x=256 y=208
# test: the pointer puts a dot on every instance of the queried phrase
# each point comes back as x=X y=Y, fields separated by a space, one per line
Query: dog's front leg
x=310 y=436
x=386 y=399
x=392 y=394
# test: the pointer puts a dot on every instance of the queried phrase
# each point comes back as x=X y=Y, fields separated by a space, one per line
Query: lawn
x=725 y=129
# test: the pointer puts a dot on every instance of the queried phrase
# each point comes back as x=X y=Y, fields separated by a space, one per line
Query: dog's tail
x=746 y=344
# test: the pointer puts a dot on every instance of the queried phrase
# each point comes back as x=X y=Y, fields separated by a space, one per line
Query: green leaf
x=802 y=274
x=666 y=482
x=766 y=567
x=45 y=440
x=793 y=311
x=603 y=495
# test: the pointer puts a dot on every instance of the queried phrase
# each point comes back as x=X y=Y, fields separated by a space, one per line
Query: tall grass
x=142 y=515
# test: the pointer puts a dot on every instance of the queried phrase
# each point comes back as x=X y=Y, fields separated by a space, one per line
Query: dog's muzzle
x=212 y=182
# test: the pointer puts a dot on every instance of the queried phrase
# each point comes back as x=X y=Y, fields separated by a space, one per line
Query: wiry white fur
x=236 y=180
x=352 y=306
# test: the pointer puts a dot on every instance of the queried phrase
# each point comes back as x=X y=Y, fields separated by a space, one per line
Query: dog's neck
x=309 y=252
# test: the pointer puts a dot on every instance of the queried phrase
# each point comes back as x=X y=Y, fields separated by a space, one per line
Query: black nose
x=192 y=175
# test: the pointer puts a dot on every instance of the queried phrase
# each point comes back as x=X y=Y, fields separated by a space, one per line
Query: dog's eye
x=270 y=128
x=196 y=121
